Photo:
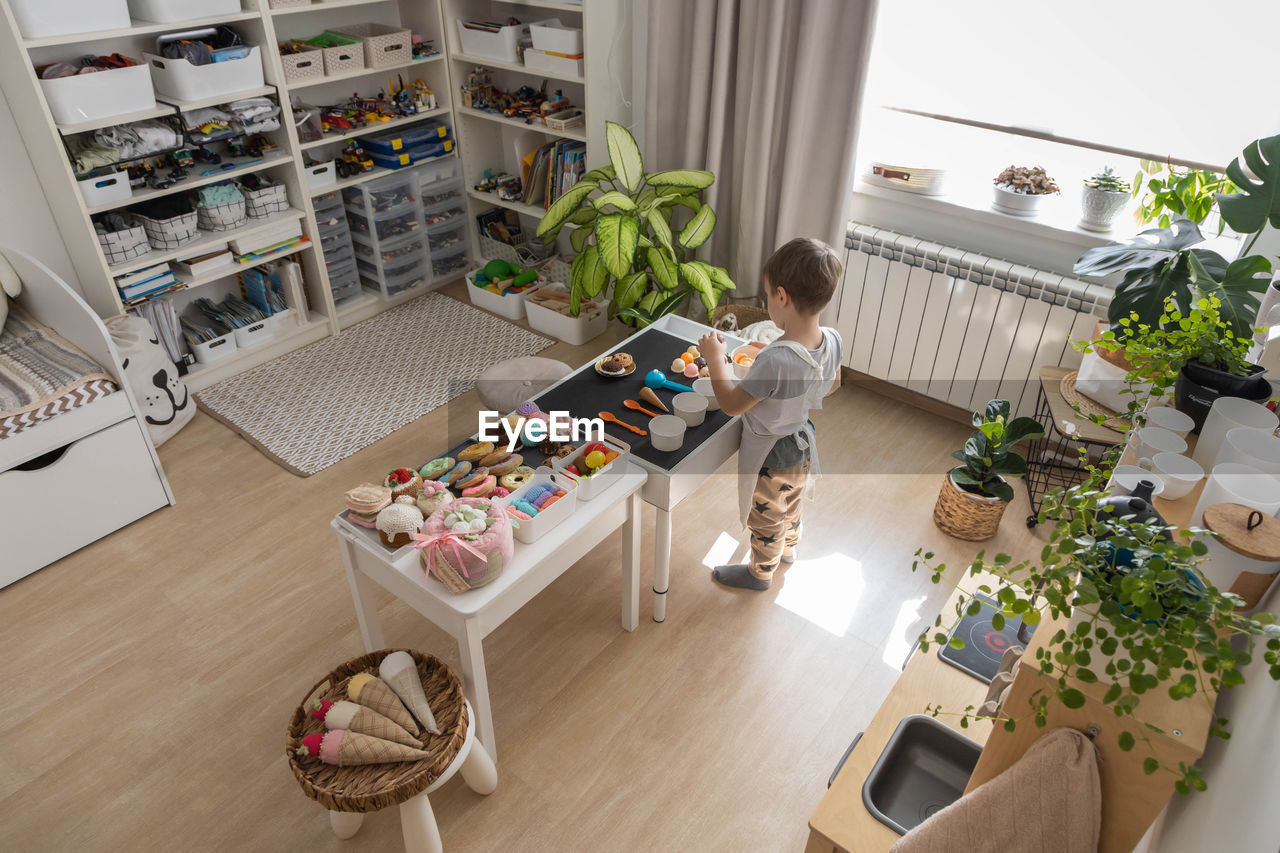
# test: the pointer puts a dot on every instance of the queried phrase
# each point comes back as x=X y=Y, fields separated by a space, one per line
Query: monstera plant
x=1160 y=263
x=625 y=236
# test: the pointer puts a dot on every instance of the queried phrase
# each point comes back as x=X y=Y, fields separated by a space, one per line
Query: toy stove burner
x=984 y=646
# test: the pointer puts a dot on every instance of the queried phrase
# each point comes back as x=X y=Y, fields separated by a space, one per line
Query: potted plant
x=1101 y=199
x=1182 y=192
x=975 y=494
x=625 y=235
x=1130 y=609
x=1199 y=354
x=1018 y=189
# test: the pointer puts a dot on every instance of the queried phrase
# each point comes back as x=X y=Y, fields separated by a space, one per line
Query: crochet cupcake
x=403 y=481
x=433 y=496
x=398 y=522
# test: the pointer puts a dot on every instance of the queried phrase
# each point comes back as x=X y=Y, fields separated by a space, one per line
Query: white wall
x=25 y=219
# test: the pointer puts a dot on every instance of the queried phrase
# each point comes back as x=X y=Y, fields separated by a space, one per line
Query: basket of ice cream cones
x=377 y=730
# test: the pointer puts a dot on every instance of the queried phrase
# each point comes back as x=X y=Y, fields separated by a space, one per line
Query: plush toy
x=372 y=692
x=10 y=287
x=401 y=674
x=358 y=718
x=347 y=749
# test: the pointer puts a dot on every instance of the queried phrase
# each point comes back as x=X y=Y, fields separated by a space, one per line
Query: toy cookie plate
x=615 y=370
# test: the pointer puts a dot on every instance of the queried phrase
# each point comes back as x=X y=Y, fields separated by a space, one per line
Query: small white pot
x=1016 y=204
x=1099 y=207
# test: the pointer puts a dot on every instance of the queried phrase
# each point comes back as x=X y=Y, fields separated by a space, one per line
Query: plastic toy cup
x=747 y=353
x=666 y=432
x=703 y=387
x=691 y=407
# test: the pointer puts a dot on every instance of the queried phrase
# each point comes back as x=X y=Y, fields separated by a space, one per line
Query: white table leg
x=345 y=824
x=418 y=824
x=631 y=565
x=362 y=591
x=478 y=770
x=661 y=563
x=476 y=685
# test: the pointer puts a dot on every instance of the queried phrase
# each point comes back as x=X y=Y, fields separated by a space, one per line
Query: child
x=789 y=378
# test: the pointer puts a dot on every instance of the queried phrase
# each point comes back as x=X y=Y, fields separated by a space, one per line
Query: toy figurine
x=236 y=147
x=204 y=155
x=258 y=144
x=509 y=188
x=424 y=48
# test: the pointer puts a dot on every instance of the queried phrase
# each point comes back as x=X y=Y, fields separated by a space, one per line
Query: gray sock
x=739 y=577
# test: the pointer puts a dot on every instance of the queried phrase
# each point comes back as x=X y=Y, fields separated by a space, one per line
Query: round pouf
x=507 y=384
x=370 y=787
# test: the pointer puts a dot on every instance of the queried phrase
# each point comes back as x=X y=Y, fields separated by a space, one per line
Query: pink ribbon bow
x=436 y=543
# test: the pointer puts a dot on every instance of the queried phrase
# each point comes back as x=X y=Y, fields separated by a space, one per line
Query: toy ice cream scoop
x=655 y=379
x=372 y=692
x=357 y=718
x=348 y=749
x=401 y=674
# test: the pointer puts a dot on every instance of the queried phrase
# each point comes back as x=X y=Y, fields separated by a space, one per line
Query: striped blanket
x=42 y=375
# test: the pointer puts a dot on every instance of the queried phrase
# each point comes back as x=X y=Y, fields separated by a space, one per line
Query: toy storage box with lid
x=385 y=221
x=397 y=150
x=102 y=94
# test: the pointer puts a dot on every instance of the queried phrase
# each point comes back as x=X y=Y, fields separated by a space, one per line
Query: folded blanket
x=139 y=138
x=1050 y=799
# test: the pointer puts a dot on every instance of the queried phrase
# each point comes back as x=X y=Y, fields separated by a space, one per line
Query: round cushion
x=509 y=383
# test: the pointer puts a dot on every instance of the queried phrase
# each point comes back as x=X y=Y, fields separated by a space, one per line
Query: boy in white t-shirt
x=788 y=379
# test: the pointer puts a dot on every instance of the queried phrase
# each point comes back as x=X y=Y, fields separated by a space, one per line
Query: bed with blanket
x=71 y=432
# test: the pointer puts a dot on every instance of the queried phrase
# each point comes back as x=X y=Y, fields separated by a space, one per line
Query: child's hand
x=711 y=345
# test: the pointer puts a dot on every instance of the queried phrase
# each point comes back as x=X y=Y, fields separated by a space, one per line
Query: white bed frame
x=83 y=474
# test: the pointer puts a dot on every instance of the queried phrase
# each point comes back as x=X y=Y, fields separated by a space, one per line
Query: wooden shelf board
x=141 y=28
x=516 y=66
x=234 y=268
x=160 y=109
x=518 y=123
x=362 y=72
x=207 y=240
x=518 y=206
x=185 y=106
x=376 y=172
x=546 y=4
x=332 y=4
x=372 y=128
x=244 y=165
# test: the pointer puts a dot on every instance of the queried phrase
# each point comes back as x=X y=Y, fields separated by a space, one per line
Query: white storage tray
x=589 y=487
x=99 y=95
x=555 y=37
x=216 y=349
x=178 y=78
x=532 y=530
x=169 y=11
x=321 y=175
x=485 y=45
x=254 y=333
x=42 y=18
x=106 y=188
x=510 y=305
x=590 y=322
x=537 y=60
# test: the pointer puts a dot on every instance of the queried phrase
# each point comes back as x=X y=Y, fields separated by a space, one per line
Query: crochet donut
x=456 y=473
x=475 y=452
x=433 y=469
x=476 y=476
x=484 y=487
x=506 y=464
x=517 y=478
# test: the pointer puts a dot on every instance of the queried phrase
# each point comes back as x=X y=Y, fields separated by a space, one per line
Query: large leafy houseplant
x=988 y=455
x=626 y=237
x=1145 y=617
x=1189 y=193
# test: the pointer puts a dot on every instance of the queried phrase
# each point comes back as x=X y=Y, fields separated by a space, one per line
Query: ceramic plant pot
x=1016 y=204
x=1198 y=386
x=965 y=515
x=1099 y=207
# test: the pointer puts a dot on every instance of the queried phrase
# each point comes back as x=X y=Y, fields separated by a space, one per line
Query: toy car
x=182 y=158
x=204 y=155
x=237 y=147
x=353 y=161
x=258 y=144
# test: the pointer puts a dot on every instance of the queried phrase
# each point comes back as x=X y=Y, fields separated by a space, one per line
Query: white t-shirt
x=779 y=381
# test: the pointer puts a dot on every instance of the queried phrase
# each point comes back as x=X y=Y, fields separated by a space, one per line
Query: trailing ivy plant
x=625 y=235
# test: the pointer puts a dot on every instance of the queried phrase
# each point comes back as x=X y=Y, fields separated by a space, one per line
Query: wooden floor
x=148 y=679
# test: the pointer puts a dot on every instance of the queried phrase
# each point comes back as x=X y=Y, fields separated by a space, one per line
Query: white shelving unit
x=482 y=140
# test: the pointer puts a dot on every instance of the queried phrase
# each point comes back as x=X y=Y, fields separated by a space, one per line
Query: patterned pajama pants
x=774 y=520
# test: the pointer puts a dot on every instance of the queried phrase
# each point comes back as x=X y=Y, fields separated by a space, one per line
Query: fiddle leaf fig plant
x=988 y=456
x=625 y=235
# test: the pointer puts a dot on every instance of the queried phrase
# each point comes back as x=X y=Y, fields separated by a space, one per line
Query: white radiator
x=958 y=326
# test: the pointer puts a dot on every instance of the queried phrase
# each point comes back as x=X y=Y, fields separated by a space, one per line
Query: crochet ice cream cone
x=401 y=674
x=372 y=692
x=357 y=718
x=348 y=749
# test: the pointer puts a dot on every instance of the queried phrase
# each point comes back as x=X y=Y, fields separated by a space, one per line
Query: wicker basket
x=384 y=47
x=370 y=787
x=307 y=64
x=746 y=314
x=341 y=58
x=967 y=516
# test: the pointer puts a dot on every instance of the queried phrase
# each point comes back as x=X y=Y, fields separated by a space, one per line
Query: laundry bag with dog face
x=156 y=385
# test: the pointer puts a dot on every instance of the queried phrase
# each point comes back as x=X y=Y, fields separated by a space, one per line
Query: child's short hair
x=808 y=269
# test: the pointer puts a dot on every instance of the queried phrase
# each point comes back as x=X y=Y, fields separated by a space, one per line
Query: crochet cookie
x=517 y=478
x=433 y=469
x=475 y=452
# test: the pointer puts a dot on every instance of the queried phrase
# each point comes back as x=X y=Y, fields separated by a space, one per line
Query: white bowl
x=666 y=432
x=1180 y=473
x=691 y=407
x=703 y=387
x=1170 y=419
x=1125 y=478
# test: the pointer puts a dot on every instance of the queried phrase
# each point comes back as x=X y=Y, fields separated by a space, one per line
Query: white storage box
x=483 y=44
x=589 y=487
x=538 y=60
x=321 y=175
x=105 y=189
x=281 y=320
x=509 y=305
x=286 y=4
x=216 y=349
x=101 y=94
x=42 y=18
x=206 y=262
x=179 y=79
x=254 y=333
x=590 y=322
x=168 y=11
x=344 y=57
x=533 y=529
x=554 y=37
x=384 y=47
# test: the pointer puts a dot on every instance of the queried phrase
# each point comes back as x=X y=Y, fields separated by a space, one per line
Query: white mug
x=1178 y=473
x=1125 y=478
x=1149 y=441
x=1170 y=419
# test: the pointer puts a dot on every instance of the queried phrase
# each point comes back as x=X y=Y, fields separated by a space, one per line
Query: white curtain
x=766 y=94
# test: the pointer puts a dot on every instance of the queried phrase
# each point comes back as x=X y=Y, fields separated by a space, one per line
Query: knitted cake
x=433 y=496
x=466 y=543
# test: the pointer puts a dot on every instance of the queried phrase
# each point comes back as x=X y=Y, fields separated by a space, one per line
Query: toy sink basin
x=924 y=768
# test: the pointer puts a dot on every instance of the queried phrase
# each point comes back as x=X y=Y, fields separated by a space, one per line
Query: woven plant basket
x=966 y=516
x=371 y=787
x=746 y=314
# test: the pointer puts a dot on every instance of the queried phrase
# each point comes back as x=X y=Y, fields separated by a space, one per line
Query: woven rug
x=320 y=404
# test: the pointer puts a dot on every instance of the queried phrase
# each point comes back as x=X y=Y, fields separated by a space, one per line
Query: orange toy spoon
x=632 y=404
x=611 y=418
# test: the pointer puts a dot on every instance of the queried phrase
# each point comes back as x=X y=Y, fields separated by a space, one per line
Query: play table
x=470 y=616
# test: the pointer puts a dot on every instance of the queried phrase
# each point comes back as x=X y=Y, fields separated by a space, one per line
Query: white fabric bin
x=42 y=18
x=101 y=94
x=178 y=78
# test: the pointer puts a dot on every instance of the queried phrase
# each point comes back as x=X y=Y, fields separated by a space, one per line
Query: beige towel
x=1050 y=799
